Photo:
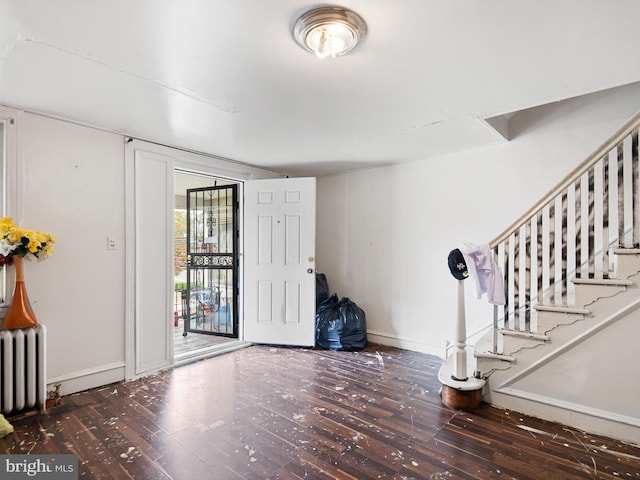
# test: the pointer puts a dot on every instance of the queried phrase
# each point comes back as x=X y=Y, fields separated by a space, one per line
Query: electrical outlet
x=111 y=243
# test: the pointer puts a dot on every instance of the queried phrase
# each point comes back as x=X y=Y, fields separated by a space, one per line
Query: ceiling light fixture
x=329 y=31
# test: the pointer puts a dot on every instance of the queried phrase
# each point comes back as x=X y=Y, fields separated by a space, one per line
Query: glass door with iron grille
x=210 y=301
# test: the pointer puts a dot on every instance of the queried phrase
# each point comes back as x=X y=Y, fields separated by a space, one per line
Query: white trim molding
x=438 y=348
x=86 y=379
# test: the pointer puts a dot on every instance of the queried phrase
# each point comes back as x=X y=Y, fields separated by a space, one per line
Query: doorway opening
x=205 y=265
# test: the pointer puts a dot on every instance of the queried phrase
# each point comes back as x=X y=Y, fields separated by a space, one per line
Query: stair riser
x=485 y=365
x=513 y=345
x=549 y=320
x=586 y=294
x=626 y=265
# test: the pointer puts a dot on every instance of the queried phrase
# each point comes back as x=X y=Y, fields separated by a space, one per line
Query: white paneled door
x=150 y=254
x=279 y=264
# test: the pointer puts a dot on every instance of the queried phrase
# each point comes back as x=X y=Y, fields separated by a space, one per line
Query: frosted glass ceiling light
x=329 y=31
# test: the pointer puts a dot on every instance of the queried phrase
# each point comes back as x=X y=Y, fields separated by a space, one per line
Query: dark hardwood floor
x=284 y=413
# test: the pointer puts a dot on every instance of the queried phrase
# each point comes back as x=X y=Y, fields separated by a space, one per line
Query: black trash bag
x=329 y=324
x=322 y=289
x=340 y=325
x=354 y=329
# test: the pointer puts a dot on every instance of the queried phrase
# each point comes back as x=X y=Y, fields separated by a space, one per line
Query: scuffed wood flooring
x=285 y=413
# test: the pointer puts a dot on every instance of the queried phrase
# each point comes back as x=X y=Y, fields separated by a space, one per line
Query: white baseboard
x=567 y=406
x=578 y=416
x=85 y=379
x=433 y=347
x=104 y=375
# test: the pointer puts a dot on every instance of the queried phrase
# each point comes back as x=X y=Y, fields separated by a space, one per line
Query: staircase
x=566 y=346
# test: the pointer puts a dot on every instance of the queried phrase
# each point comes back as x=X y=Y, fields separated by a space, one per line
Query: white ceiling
x=225 y=77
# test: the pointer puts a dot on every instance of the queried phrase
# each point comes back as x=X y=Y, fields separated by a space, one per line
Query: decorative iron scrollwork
x=208 y=260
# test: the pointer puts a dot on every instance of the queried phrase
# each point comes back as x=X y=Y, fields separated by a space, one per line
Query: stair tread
x=562 y=309
x=523 y=334
x=494 y=356
x=602 y=281
x=626 y=251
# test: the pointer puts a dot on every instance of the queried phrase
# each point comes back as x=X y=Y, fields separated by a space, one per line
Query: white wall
x=71 y=184
x=384 y=234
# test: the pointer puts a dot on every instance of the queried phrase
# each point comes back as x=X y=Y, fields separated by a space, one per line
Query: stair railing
x=569 y=232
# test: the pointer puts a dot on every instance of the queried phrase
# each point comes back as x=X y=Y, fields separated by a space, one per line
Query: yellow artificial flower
x=33 y=246
x=15 y=234
x=18 y=241
x=5 y=224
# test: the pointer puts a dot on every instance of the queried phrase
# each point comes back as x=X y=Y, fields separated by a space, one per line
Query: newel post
x=459 y=391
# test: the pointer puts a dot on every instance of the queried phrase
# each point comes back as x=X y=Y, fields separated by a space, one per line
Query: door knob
x=309 y=270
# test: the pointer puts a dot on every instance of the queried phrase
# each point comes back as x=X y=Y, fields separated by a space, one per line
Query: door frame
x=188 y=162
x=208 y=259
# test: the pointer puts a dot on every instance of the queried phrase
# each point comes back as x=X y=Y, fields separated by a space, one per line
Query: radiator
x=23 y=366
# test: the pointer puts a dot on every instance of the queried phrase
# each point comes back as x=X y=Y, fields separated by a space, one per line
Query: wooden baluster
x=634 y=190
x=527 y=278
x=590 y=226
x=563 y=249
x=578 y=226
x=621 y=219
x=605 y=217
x=539 y=250
x=516 y=280
x=552 y=252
